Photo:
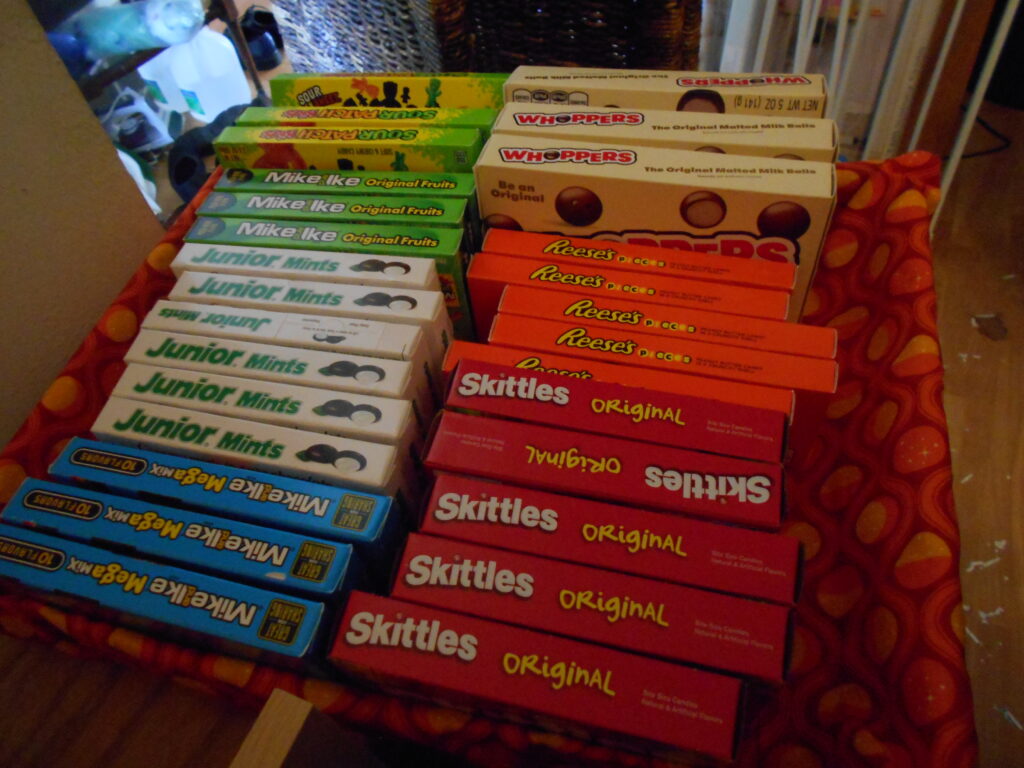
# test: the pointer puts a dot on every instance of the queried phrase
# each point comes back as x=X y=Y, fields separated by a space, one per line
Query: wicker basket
x=499 y=35
x=359 y=35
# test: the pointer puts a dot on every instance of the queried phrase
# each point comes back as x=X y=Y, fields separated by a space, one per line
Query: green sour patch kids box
x=336 y=117
x=374 y=148
x=396 y=90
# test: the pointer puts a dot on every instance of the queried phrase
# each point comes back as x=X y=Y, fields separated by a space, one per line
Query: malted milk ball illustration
x=578 y=206
x=786 y=219
x=701 y=100
x=702 y=209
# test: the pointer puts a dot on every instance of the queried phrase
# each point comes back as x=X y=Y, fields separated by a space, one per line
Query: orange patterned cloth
x=878 y=675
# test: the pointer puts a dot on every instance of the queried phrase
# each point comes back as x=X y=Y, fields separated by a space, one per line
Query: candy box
x=289 y=365
x=375 y=148
x=248 y=621
x=592 y=692
x=453 y=187
x=666 y=260
x=394 y=90
x=441 y=245
x=294 y=264
x=678 y=353
x=728 y=205
x=265 y=557
x=358 y=336
x=304 y=455
x=802 y=95
x=348 y=182
x=363 y=417
x=367 y=521
x=718 y=488
x=620 y=538
x=678 y=623
x=736 y=392
x=635 y=413
x=676 y=322
x=789 y=138
x=314 y=206
x=490 y=273
x=339 y=117
x=425 y=309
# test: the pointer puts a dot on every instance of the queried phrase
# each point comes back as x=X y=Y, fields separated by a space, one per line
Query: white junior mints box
x=423 y=308
x=293 y=264
x=306 y=455
x=251 y=619
x=350 y=335
x=377 y=419
x=288 y=365
x=270 y=558
x=368 y=521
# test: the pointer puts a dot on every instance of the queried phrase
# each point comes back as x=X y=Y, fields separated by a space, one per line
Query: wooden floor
x=58 y=712
x=980 y=271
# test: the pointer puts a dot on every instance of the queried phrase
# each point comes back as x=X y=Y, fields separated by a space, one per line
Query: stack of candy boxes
x=601 y=490
x=260 y=455
x=600 y=549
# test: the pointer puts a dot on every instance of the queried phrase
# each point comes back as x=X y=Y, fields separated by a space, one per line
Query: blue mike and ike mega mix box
x=248 y=618
x=269 y=558
x=370 y=522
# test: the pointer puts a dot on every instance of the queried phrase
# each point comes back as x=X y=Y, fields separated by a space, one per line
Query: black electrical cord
x=1005 y=141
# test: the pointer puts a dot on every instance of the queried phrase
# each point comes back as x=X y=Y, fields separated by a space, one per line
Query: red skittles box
x=597 y=693
x=612 y=409
x=740 y=393
x=719 y=488
x=678 y=623
x=619 y=538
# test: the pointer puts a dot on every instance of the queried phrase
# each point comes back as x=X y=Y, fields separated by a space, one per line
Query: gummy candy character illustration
x=433 y=92
x=398 y=164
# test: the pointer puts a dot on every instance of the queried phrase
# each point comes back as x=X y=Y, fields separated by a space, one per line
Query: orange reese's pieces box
x=673 y=353
x=489 y=273
x=629 y=612
x=650 y=706
x=620 y=538
x=664 y=320
x=670 y=260
x=720 y=488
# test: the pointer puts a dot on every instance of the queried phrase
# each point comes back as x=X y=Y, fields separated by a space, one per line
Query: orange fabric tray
x=878 y=666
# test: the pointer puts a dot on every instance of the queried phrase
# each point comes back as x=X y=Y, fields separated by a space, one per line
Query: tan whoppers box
x=787 y=138
x=728 y=205
x=789 y=95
